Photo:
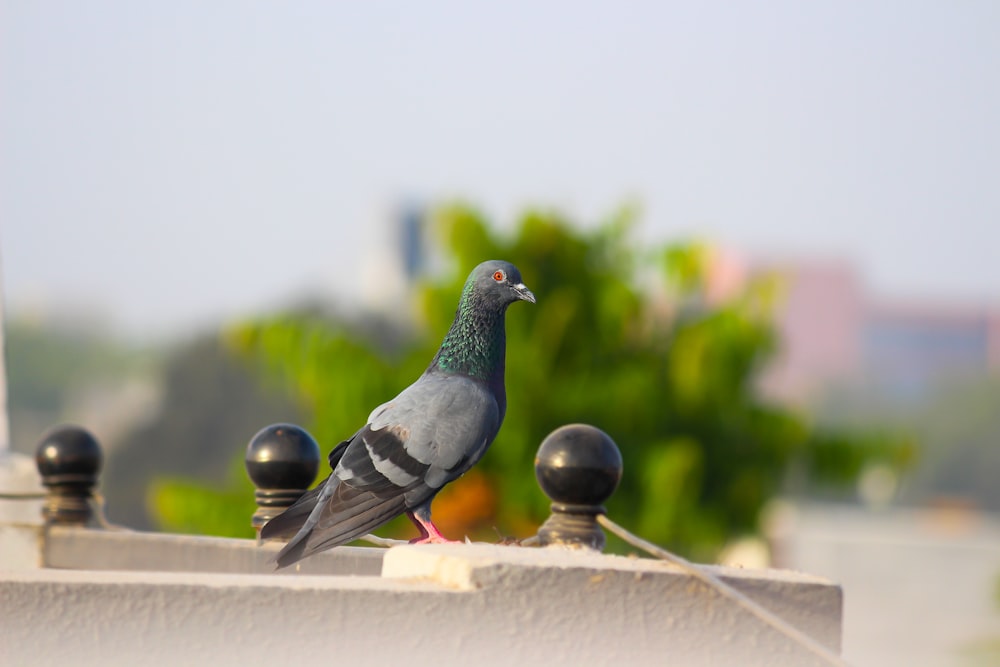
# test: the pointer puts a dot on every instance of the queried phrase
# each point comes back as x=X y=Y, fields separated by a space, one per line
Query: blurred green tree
x=622 y=337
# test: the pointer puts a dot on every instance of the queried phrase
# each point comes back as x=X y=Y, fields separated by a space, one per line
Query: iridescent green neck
x=476 y=342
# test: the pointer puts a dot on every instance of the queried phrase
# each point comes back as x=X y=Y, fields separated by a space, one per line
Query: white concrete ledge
x=433 y=605
x=87 y=549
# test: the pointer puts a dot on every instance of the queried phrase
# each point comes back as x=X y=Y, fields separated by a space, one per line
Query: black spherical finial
x=69 y=460
x=578 y=466
x=282 y=461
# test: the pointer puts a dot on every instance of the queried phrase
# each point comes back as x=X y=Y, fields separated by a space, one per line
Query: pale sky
x=177 y=163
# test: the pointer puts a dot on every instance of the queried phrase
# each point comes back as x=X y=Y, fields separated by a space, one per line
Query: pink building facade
x=835 y=333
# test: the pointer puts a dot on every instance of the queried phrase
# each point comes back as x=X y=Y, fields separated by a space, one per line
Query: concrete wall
x=83 y=596
x=431 y=604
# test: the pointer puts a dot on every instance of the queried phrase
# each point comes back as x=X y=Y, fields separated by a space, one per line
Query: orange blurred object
x=465 y=506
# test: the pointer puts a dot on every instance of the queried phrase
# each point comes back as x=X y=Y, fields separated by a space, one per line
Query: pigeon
x=427 y=436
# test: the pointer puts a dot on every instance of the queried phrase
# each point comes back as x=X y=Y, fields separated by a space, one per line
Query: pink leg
x=429 y=534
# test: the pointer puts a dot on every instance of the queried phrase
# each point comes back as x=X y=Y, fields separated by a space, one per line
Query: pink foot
x=429 y=534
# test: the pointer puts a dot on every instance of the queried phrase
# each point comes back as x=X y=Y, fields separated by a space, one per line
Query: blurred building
x=906 y=348
x=820 y=314
x=834 y=332
x=397 y=254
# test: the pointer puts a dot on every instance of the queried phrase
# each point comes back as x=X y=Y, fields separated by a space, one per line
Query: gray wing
x=289 y=522
x=429 y=435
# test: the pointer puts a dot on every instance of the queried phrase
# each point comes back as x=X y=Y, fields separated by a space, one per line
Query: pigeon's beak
x=523 y=293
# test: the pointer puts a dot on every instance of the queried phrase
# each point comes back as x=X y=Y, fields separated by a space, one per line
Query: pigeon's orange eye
x=498 y=276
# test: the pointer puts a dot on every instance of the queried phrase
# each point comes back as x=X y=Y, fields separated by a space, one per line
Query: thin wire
x=381 y=541
x=726 y=590
x=34 y=495
x=389 y=542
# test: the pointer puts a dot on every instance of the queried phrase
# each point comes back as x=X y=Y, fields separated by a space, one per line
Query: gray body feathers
x=428 y=435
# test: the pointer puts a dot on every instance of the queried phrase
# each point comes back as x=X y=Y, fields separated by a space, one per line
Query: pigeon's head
x=499 y=282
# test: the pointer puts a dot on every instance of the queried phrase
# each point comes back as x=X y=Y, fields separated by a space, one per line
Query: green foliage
x=621 y=338
x=185 y=506
x=188 y=506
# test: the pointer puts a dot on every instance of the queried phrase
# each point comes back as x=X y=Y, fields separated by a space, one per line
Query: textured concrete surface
x=433 y=605
x=84 y=549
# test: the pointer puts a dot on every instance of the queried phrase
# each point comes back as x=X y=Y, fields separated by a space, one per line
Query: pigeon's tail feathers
x=289 y=522
x=340 y=515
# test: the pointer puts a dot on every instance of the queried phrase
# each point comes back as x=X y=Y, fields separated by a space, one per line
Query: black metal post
x=282 y=461
x=578 y=467
x=69 y=460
